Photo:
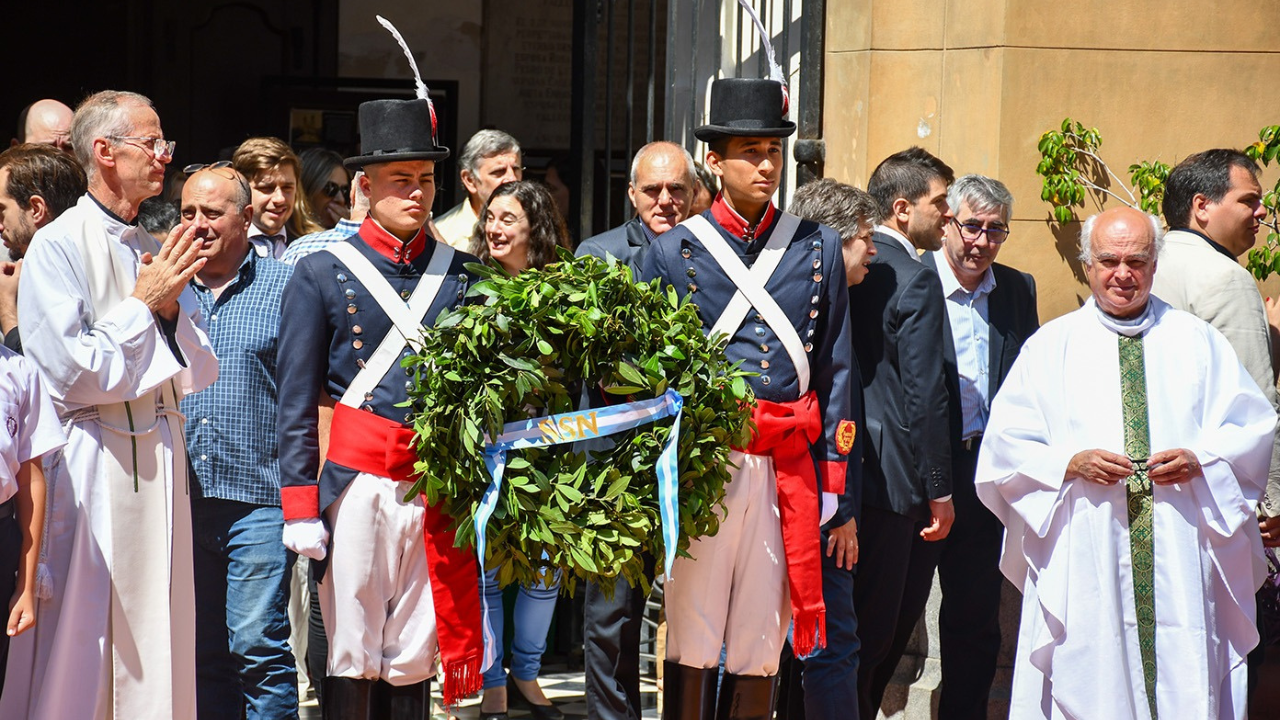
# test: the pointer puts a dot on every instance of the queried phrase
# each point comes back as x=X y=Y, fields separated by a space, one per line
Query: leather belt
x=971 y=444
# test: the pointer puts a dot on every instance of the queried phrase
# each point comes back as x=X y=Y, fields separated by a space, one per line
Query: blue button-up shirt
x=317 y=241
x=970 y=322
x=231 y=425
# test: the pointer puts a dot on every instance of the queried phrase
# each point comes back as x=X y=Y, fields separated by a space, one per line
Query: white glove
x=306 y=536
x=830 y=501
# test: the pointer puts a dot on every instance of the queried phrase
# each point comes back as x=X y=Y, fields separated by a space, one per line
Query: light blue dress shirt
x=971 y=332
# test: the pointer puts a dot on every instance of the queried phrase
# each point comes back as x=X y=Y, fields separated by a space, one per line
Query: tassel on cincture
x=44 y=582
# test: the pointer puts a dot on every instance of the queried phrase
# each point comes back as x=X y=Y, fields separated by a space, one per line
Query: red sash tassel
x=370 y=443
x=785 y=431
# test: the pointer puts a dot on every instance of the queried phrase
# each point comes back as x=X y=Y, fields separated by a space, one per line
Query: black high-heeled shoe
x=539 y=712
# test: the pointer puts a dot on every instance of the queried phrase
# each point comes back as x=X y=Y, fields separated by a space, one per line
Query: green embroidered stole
x=1137 y=445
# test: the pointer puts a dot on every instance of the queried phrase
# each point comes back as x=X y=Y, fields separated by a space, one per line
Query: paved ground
x=564 y=688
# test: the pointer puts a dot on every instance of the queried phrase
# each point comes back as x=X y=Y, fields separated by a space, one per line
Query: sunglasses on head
x=333 y=190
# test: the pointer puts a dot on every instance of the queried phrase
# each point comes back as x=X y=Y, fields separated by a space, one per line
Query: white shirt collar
x=950 y=283
x=902 y=239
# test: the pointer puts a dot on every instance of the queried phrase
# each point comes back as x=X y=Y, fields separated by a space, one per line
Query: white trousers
x=376 y=594
x=733 y=592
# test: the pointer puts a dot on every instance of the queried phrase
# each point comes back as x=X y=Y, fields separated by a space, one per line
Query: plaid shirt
x=317 y=241
x=231 y=425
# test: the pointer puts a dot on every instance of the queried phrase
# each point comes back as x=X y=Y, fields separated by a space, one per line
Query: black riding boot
x=688 y=693
x=403 y=702
x=746 y=697
x=347 y=699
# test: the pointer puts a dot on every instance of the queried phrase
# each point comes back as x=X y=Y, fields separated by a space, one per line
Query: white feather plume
x=417 y=76
x=775 y=70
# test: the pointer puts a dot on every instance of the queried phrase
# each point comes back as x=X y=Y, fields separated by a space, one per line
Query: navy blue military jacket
x=809 y=285
x=330 y=326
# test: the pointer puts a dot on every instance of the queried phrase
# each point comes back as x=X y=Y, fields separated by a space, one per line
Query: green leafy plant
x=528 y=349
x=1071 y=166
x=1265 y=259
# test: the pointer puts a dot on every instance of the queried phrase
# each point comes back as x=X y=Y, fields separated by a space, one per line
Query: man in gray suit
x=661 y=190
x=662 y=183
x=1213 y=207
x=898 y=315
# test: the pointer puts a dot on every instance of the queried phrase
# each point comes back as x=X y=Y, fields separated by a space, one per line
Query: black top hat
x=746 y=107
x=393 y=130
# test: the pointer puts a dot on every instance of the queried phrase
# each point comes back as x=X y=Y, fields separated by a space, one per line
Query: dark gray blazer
x=899 y=320
x=626 y=243
x=1013 y=317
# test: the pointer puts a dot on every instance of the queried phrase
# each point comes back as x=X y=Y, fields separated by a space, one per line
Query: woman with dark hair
x=326 y=185
x=519 y=229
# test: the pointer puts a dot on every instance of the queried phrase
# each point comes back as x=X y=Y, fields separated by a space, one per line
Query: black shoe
x=347 y=699
x=539 y=712
x=746 y=697
x=403 y=702
x=688 y=693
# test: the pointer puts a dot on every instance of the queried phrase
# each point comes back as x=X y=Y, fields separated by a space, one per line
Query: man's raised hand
x=162 y=277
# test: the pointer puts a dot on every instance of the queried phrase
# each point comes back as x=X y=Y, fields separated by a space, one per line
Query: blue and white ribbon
x=585 y=425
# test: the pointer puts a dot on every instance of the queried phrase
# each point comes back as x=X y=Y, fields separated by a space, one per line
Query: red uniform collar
x=390 y=246
x=730 y=220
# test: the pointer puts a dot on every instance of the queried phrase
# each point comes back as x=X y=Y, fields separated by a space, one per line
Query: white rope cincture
x=775 y=70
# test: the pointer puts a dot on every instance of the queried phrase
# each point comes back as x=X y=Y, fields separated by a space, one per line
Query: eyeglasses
x=971 y=232
x=194 y=168
x=159 y=147
x=505 y=221
x=333 y=190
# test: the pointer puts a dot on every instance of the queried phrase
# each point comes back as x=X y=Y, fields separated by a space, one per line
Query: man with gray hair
x=1125 y=454
x=660 y=190
x=108 y=318
x=489 y=159
x=991 y=311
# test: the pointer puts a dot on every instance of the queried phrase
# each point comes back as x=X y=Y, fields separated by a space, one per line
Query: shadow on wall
x=1066 y=240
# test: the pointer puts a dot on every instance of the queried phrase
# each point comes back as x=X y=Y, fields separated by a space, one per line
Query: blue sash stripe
x=573 y=427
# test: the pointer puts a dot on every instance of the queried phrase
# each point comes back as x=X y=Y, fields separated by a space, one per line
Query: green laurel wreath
x=530 y=347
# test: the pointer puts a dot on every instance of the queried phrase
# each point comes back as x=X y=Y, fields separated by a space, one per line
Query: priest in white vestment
x=108 y=320
x=1125 y=455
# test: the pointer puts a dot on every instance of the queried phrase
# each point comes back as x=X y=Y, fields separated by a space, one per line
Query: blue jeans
x=831 y=674
x=534 y=609
x=244 y=666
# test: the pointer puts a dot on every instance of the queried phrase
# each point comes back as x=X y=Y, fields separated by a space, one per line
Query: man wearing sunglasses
x=118 y=338
x=991 y=311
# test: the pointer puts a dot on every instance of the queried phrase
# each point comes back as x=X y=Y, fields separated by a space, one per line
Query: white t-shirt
x=29 y=426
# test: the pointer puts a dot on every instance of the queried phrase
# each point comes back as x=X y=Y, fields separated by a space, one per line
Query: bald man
x=45 y=122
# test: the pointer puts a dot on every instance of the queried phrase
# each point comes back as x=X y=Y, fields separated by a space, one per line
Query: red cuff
x=833 y=476
x=300 y=502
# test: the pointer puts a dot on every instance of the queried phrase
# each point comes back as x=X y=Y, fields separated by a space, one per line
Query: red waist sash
x=785 y=432
x=373 y=444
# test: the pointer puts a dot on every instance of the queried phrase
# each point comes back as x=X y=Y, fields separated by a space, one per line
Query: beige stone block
x=847 y=75
x=1184 y=25
x=848 y=25
x=1049 y=254
x=972 y=100
x=907 y=24
x=905 y=103
x=975 y=23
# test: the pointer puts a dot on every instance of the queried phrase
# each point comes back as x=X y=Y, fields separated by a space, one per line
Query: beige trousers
x=733 y=592
x=376 y=594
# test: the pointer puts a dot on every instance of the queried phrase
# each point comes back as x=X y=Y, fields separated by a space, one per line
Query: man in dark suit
x=991 y=311
x=661 y=189
x=898 y=319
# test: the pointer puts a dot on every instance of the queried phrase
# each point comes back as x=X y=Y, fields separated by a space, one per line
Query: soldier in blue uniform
x=394 y=583
x=776 y=286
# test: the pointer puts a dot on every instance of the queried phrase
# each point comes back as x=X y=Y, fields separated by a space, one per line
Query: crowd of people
x=202 y=384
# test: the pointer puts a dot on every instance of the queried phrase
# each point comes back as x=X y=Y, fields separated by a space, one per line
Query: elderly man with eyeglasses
x=991 y=311
x=108 y=318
